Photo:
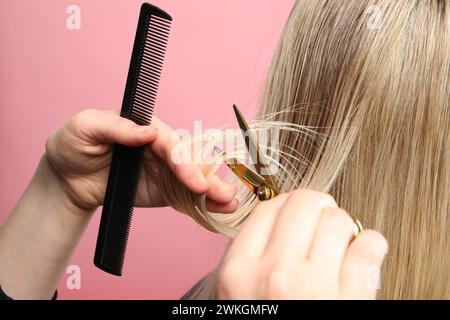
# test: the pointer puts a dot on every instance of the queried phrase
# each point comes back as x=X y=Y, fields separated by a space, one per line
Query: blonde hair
x=364 y=115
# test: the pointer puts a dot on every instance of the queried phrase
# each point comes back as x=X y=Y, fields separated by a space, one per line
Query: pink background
x=218 y=55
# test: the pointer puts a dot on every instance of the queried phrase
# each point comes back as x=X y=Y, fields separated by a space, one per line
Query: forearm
x=39 y=237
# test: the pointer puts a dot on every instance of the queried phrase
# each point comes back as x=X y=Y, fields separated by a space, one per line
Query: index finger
x=163 y=146
x=253 y=238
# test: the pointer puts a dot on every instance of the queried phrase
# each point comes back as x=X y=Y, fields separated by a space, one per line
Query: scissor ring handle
x=265 y=193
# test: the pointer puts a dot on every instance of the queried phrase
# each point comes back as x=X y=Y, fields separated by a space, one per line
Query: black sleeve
x=4 y=296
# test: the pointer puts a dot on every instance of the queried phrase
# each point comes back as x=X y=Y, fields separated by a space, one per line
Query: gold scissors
x=262 y=185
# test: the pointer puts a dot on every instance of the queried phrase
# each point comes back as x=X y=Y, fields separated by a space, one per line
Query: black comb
x=140 y=94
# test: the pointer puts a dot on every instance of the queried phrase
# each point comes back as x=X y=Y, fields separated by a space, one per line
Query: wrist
x=40 y=234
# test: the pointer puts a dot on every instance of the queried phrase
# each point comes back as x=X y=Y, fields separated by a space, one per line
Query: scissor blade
x=249 y=177
x=253 y=148
x=250 y=142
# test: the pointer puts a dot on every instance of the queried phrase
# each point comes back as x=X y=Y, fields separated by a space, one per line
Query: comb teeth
x=126 y=206
x=151 y=58
x=139 y=99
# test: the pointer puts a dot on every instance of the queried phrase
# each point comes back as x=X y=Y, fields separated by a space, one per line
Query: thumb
x=98 y=126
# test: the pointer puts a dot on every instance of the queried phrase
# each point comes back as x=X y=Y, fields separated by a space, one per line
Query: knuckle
x=54 y=143
x=83 y=118
x=370 y=247
x=339 y=218
x=49 y=144
x=376 y=241
x=269 y=206
x=320 y=198
x=325 y=199
x=228 y=275
x=276 y=285
x=86 y=114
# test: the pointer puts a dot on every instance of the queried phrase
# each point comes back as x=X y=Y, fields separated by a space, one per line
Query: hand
x=48 y=221
x=81 y=150
x=300 y=246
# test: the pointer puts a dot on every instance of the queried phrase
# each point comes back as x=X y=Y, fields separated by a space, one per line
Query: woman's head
x=360 y=91
x=378 y=97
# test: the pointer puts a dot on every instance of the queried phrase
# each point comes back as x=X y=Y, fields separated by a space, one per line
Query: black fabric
x=4 y=296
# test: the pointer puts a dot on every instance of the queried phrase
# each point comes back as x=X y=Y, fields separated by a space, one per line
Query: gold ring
x=357 y=227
